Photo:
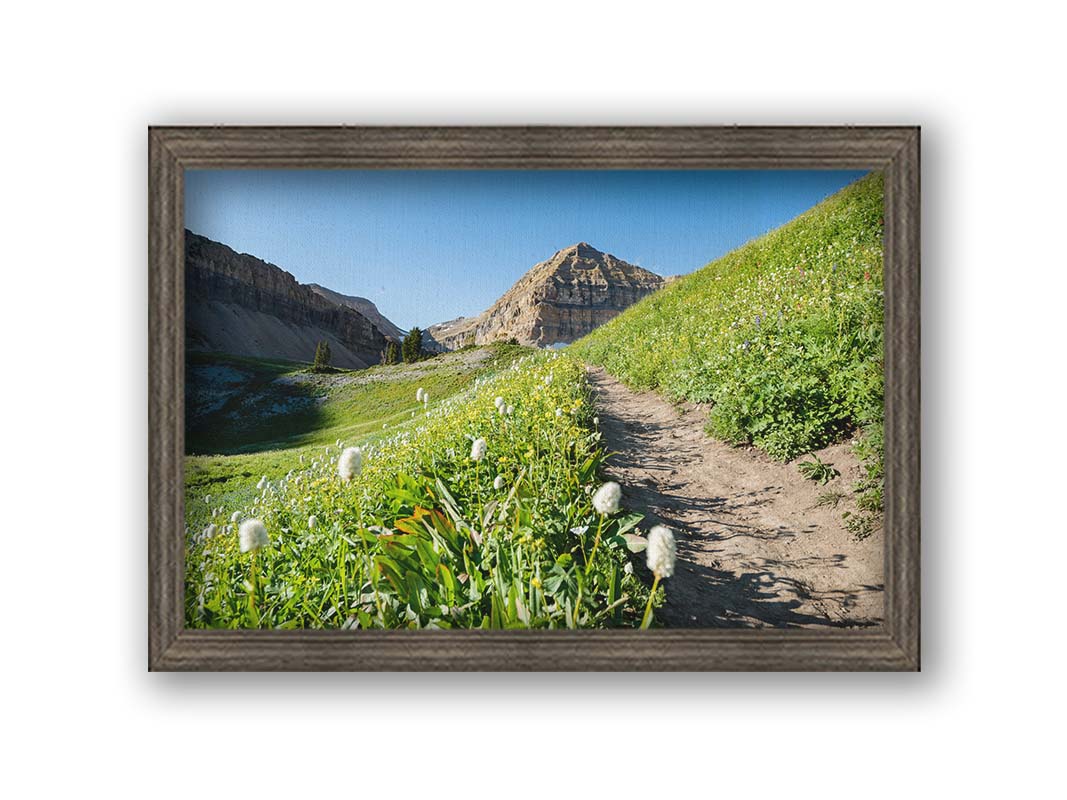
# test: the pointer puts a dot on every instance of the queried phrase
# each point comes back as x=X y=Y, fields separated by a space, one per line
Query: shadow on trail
x=763 y=592
x=708 y=596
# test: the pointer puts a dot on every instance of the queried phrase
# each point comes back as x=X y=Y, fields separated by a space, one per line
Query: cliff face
x=236 y=303
x=557 y=301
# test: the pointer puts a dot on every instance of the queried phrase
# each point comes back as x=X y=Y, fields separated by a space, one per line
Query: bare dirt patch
x=754 y=550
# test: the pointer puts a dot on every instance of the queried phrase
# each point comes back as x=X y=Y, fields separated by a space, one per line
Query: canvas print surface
x=421 y=399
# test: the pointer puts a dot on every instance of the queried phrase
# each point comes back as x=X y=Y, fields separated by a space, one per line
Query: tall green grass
x=783 y=336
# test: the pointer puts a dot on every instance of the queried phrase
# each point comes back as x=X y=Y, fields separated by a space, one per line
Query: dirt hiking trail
x=753 y=549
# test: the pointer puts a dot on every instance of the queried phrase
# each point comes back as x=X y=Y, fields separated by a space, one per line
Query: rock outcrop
x=239 y=304
x=430 y=344
x=556 y=302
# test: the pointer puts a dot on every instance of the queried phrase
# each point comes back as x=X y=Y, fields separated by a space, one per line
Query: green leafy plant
x=860 y=525
x=818 y=470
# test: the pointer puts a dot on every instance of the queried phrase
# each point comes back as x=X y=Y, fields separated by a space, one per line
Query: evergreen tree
x=412 y=347
x=322 y=355
x=391 y=354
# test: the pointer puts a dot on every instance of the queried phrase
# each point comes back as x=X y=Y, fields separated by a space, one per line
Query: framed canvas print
x=534 y=398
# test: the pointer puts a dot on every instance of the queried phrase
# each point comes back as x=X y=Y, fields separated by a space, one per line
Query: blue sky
x=431 y=245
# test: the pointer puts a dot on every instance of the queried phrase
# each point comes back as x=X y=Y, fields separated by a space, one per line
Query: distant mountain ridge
x=363 y=306
x=556 y=302
x=239 y=304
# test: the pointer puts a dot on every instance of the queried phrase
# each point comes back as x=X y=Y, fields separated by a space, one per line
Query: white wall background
x=80 y=84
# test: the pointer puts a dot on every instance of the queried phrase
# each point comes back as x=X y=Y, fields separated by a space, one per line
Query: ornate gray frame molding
x=894 y=150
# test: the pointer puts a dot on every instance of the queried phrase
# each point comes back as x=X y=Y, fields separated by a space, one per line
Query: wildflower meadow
x=481 y=510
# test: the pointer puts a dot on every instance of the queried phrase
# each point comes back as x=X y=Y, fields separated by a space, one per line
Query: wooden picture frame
x=894 y=645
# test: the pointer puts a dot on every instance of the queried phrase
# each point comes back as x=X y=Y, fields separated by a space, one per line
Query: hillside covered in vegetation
x=781 y=337
x=455 y=492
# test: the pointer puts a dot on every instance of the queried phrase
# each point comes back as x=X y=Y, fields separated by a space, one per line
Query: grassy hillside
x=256 y=418
x=240 y=405
x=426 y=535
x=783 y=336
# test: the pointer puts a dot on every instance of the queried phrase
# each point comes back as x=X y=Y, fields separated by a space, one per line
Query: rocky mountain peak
x=580 y=254
x=556 y=301
x=581 y=250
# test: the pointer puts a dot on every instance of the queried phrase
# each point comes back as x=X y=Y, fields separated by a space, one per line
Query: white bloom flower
x=510 y=410
x=629 y=568
x=478 y=449
x=339 y=443
x=498 y=482
x=498 y=402
x=661 y=551
x=596 y=421
x=350 y=463
x=426 y=398
x=418 y=395
x=253 y=535
x=207 y=499
x=262 y=483
x=210 y=531
x=235 y=516
x=313 y=522
x=606 y=499
x=559 y=412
